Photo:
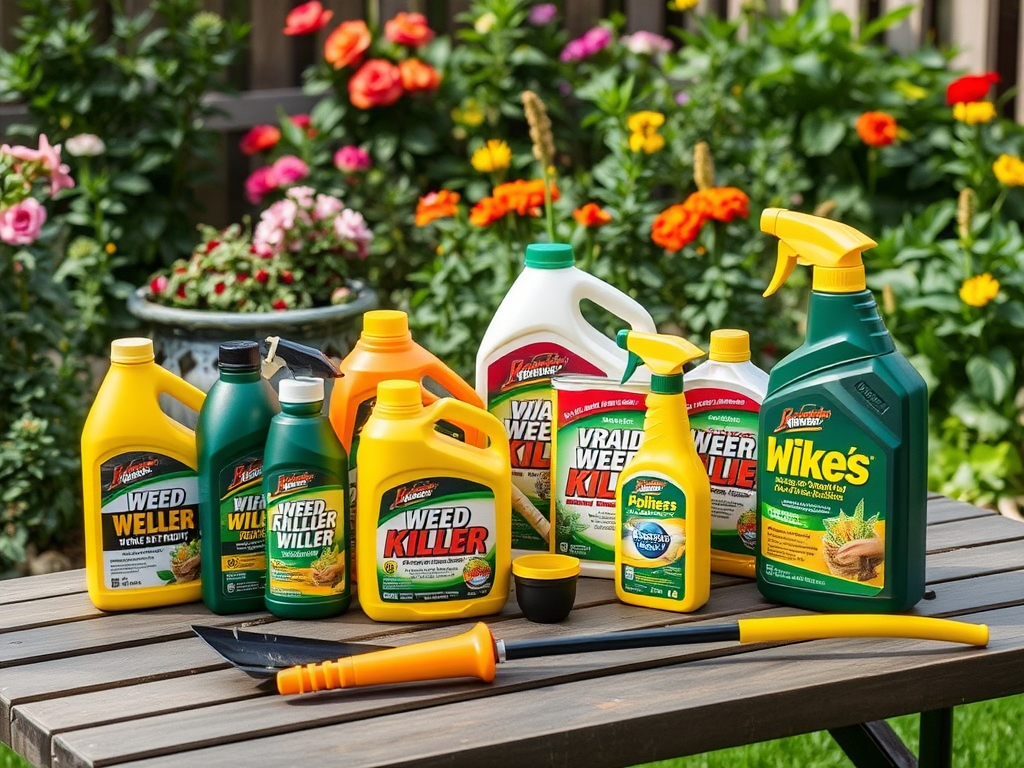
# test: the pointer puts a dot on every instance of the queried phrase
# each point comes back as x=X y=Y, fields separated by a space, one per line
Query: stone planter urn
x=187 y=341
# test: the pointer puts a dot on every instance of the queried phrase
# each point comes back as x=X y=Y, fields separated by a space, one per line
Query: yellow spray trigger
x=831 y=247
x=665 y=355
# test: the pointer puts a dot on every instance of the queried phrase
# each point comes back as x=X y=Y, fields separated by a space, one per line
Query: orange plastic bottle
x=386 y=351
x=141 y=490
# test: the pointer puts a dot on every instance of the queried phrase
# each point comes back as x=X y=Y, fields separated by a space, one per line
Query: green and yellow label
x=307 y=553
x=436 y=541
x=653 y=537
x=823 y=515
x=243 y=525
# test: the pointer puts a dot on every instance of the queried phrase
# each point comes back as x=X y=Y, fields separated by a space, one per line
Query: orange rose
x=876 y=129
x=418 y=76
x=346 y=45
x=675 y=227
x=726 y=203
x=408 y=29
x=591 y=215
x=487 y=211
x=437 y=205
x=377 y=83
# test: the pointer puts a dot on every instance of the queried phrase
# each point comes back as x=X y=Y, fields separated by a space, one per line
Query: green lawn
x=983 y=734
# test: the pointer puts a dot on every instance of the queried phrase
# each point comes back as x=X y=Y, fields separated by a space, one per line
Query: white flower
x=85 y=145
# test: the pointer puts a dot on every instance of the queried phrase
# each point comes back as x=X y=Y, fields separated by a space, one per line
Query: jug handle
x=179 y=389
x=450 y=409
x=615 y=301
x=459 y=389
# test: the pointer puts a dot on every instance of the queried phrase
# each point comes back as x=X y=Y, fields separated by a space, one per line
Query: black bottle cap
x=240 y=356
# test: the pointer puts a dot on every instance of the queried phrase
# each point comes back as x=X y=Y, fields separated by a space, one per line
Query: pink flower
x=158 y=284
x=301 y=195
x=289 y=169
x=272 y=230
x=352 y=159
x=542 y=14
x=350 y=225
x=326 y=206
x=647 y=43
x=306 y=19
x=48 y=156
x=260 y=182
x=585 y=46
x=20 y=224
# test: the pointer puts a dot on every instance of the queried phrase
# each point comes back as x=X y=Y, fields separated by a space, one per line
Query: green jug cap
x=549 y=256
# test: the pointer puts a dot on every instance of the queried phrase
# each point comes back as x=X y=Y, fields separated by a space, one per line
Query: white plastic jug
x=539 y=331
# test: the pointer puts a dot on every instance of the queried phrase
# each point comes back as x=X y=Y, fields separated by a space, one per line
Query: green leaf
x=991 y=377
x=821 y=133
x=883 y=23
x=132 y=184
x=165 y=575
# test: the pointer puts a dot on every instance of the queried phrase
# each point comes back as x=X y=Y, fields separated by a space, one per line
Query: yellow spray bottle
x=663 y=497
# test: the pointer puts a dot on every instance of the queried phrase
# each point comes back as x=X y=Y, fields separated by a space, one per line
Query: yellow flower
x=911 y=91
x=973 y=112
x=469 y=114
x=494 y=156
x=643 y=128
x=485 y=23
x=110 y=248
x=1009 y=170
x=979 y=290
x=681 y=5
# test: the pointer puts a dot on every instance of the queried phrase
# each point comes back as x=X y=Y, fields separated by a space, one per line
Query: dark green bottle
x=843 y=442
x=305 y=480
x=230 y=439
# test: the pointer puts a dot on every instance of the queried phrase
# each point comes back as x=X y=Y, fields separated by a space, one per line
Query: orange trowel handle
x=470 y=654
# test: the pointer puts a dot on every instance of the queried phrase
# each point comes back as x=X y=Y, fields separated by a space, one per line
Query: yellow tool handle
x=860 y=625
x=470 y=654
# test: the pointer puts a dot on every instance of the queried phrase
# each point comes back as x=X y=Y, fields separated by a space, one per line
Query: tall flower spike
x=703 y=166
x=966 y=204
x=540 y=129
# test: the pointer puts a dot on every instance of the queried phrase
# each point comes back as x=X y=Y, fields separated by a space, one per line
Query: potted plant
x=296 y=274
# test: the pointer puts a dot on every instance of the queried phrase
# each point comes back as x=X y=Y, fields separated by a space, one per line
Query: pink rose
x=20 y=224
x=326 y=206
x=350 y=225
x=585 y=46
x=352 y=159
x=272 y=230
x=644 y=43
x=289 y=169
x=260 y=182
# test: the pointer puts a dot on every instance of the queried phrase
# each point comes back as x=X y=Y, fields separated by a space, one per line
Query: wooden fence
x=987 y=34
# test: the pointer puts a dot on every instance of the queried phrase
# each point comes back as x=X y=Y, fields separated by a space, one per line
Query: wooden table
x=79 y=687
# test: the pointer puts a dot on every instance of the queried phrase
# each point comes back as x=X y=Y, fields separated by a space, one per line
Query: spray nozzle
x=665 y=355
x=300 y=359
x=831 y=247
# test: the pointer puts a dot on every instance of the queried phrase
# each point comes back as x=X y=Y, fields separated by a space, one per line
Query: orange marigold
x=591 y=215
x=726 y=203
x=524 y=197
x=437 y=205
x=876 y=129
x=487 y=211
x=675 y=227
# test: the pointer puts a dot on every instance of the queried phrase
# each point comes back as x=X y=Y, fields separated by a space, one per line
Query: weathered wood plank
x=49 y=585
x=945 y=510
x=975 y=561
x=597 y=722
x=984 y=530
x=44 y=612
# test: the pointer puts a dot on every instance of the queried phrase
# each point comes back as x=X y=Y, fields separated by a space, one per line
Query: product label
x=597 y=433
x=519 y=395
x=307 y=553
x=724 y=427
x=823 y=509
x=436 y=541
x=653 y=533
x=243 y=527
x=150 y=520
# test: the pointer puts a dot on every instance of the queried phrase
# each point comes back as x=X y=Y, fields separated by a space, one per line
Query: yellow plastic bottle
x=141 y=492
x=663 y=497
x=433 y=513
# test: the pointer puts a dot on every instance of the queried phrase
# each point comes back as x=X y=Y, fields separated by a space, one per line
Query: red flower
x=876 y=129
x=346 y=45
x=306 y=19
x=970 y=88
x=302 y=121
x=408 y=29
x=287 y=276
x=219 y=288
x=180 y=292
x=280 y=304
x=158 y=284
x=591 y=215
x=211 y=245
x=241 y=277
x=262 y=276
x=377 y=83
x=259 y=138
x=418 y=76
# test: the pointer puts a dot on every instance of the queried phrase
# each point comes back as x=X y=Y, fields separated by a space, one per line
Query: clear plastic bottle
x=723 y=397
x=141 y=493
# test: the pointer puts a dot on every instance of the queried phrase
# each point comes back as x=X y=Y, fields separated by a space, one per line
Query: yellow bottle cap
x=131 y=350
x=385 y=324
x=546 y=566
x=399 y=393
x=729 y=345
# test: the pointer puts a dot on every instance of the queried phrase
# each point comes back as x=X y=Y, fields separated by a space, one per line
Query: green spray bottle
x=230 y=438
x=663 y=496
x=843 y=440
